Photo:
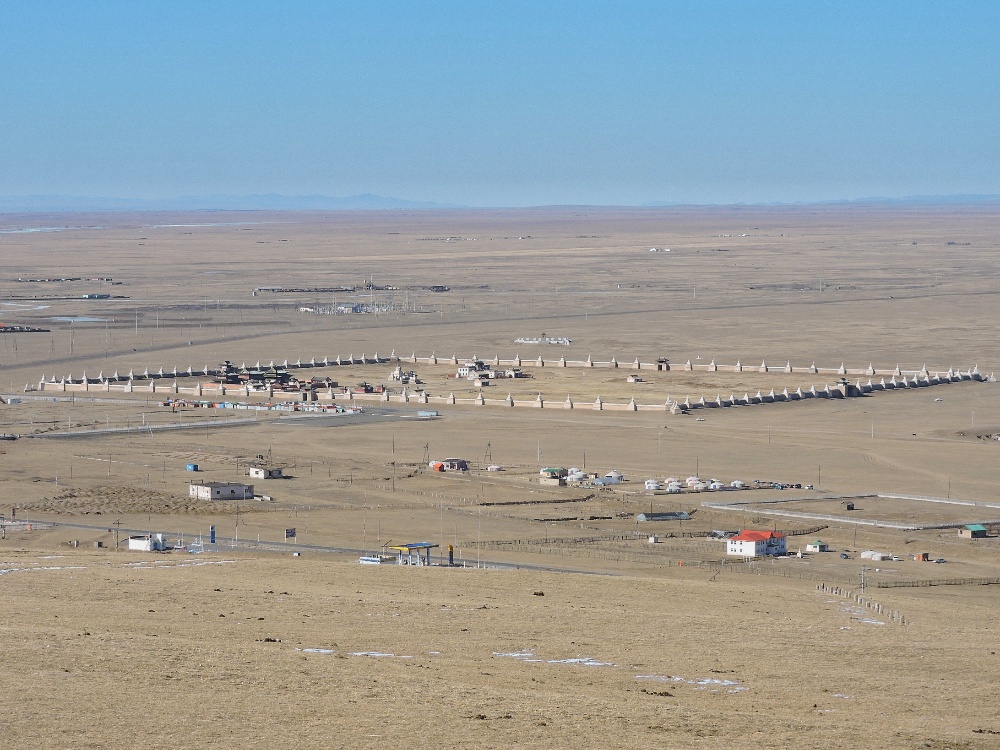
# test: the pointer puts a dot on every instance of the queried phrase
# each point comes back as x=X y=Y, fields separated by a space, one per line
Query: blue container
x=192 y=467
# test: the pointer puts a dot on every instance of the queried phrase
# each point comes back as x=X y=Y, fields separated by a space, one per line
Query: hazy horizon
x=371 y=202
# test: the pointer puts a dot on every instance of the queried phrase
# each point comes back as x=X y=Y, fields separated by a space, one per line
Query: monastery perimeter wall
x=167 y=383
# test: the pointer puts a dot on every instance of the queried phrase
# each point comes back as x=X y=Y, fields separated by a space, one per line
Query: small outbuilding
x=871 y=554
x=973 y=531
x=220 y=491
x=266 y=472
x=817 y=545
x=449 y=464
x=147 y=543
x=676 y=515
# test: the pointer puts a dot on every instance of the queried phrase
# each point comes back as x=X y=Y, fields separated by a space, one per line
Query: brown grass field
x=106 y=648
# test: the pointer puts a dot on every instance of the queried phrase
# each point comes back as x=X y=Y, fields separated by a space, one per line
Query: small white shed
x=870 y=554
x=147 y=543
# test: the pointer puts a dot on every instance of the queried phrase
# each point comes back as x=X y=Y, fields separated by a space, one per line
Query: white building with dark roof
x=220 y=491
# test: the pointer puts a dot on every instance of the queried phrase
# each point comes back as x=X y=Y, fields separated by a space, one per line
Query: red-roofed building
x=756 y=543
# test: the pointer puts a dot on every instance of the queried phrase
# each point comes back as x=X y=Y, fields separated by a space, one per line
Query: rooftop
x=756 y=536
x=218 y=484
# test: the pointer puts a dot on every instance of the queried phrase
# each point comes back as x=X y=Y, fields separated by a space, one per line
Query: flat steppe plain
x=111 y=648
x=103 y=652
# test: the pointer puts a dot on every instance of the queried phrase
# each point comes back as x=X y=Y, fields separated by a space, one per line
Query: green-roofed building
x=973 y=531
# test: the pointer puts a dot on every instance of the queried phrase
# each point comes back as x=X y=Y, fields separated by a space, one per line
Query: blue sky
x=501 y=103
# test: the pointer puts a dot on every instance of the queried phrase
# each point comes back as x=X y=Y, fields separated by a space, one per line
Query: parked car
x=940 y=560
x=844 y=556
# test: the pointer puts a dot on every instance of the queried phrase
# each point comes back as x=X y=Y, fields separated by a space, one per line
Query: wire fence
x=925 y=582
x=752 y=568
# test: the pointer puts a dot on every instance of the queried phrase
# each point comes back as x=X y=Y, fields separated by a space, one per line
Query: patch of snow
x=732 y=686
x=585 y=662
x=5 y=571
x=163 y=564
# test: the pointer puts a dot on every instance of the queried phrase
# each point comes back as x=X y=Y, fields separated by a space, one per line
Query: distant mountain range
x=371 y=202
x=929 y=199
x=909 y=200
x=267 y=202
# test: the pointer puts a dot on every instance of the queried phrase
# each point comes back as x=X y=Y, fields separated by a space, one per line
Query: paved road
x=229 y=543
x=287 y=419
